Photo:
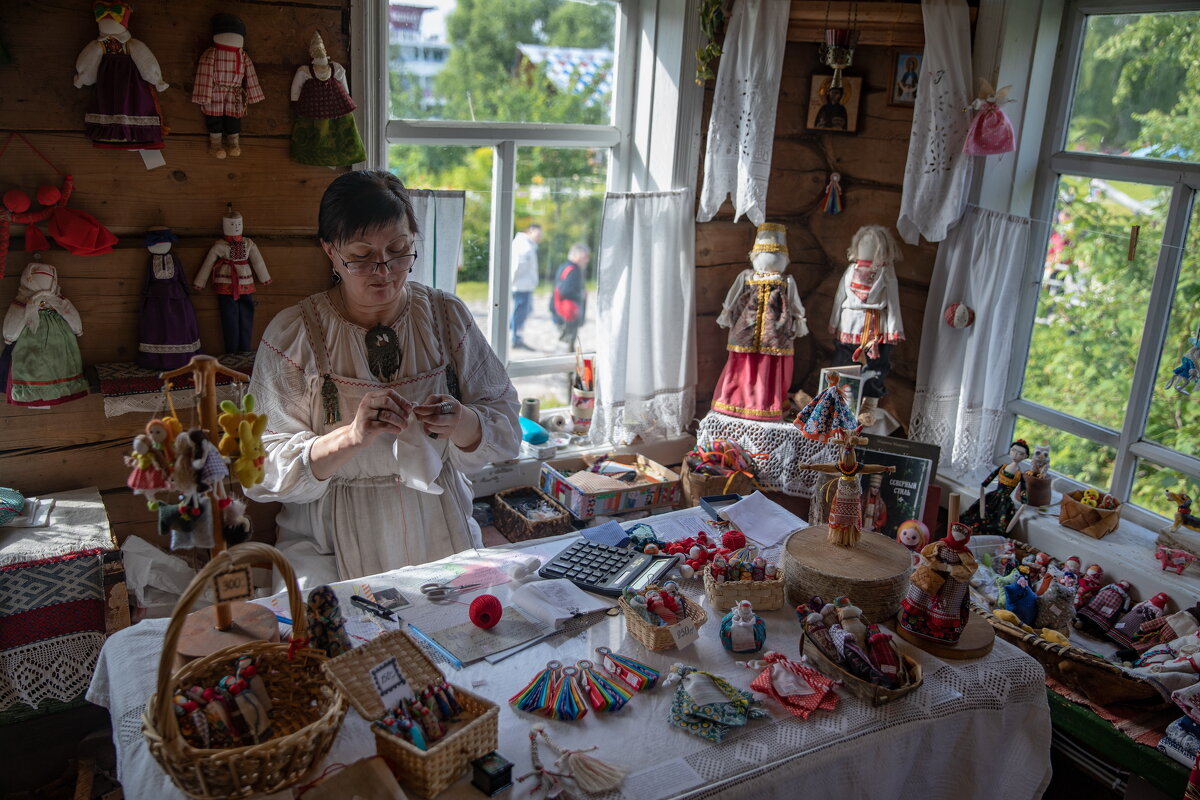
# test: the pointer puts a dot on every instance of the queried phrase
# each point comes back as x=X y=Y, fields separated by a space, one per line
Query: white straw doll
x=42 y=326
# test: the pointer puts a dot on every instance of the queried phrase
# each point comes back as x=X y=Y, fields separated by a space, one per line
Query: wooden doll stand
x=976 y=640
x=873 y=573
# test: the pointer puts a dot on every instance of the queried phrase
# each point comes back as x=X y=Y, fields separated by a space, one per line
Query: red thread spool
x=733 y=539
x=485 y=611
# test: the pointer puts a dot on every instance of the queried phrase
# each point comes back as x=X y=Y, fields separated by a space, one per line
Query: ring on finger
x=379 y=415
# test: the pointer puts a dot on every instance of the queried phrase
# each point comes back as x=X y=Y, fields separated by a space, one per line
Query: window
x=1114 y=293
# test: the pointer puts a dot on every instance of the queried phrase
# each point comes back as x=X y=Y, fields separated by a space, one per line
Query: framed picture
x=906 y=74
x=890 y=498
x=850 y=377
x=834 y=109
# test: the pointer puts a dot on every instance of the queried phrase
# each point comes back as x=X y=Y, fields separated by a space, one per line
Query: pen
x=284 y=620
x=427 y=639
x=383 y=612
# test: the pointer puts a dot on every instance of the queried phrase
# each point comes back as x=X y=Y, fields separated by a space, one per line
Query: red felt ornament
x=16 y=201
x=48 y=194
x=733 y=540
x=485 y=611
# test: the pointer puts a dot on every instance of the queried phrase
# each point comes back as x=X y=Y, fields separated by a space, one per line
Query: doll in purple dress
x=168 y=336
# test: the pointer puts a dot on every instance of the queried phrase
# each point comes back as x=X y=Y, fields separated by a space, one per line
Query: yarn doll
x=324 y=133
x=45 y=367
x=936 y=605
x=866 y=318
x=168 y=335
x=233 y=263
x=123 y=113
x=849 y=618
x=1128 y=628
x=148 y=476
x=743 y=631
x=764 y=316
x=993 y=512
x=991 y=132
x=845 y=514
x=226 y=84
x=1090 y=583
x=1105 y=609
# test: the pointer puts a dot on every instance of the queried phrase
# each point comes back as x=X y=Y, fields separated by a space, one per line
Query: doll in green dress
x=41 y=327
x=994 y=510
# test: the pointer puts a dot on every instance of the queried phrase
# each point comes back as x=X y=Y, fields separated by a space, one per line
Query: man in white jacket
x=524 y=280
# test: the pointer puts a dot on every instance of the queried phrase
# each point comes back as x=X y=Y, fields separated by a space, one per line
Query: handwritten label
x=233 y=585
x=390 y=683
x=684 y=633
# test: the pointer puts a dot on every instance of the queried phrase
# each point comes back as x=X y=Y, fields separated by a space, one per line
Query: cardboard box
x=600 y=494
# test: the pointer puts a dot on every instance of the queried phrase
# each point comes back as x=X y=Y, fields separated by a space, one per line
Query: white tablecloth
x=976 y=729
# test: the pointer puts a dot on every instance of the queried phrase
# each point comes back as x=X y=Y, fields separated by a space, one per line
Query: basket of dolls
x=527 y=512
x=764 y=595
x=287 y=711
x=1090 y=512
x=427 y=729
x=878 y=673
x=664 y=633
x=1100 y=681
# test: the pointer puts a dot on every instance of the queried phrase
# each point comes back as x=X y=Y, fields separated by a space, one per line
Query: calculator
x=605 y=569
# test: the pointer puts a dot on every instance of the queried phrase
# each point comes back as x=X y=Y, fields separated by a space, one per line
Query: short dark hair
x=363 y=201
x=533 y=226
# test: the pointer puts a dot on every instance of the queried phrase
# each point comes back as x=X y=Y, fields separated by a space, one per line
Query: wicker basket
x=517 y=527
x=763 y=595
x=1095 y=522
x=658 y=637
x=873 y=693
x=307 y=710
x=424 y=772
x=697 y=485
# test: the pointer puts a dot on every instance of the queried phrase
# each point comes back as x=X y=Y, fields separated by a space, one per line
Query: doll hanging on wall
x=124 y=113
x=324 y=133
x=764 y=315
x=168 y=336
x=42 y=325
x=866 y=312
x=226 y=84
x=233 y=262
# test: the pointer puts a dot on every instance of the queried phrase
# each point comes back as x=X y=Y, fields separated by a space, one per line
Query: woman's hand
x=442 y=415
x=381 y=411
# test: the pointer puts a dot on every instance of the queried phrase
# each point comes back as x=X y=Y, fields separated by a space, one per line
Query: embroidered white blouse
x=865 y=287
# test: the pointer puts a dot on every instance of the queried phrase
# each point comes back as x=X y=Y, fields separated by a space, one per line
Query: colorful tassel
x=535 y=696
x=589 y=773
x=635 y=674
x=831 y=203
x=566 y=701
x=603 y=694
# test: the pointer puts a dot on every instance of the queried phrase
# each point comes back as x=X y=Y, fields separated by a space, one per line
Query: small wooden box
x=517 y=527
x=425 y=772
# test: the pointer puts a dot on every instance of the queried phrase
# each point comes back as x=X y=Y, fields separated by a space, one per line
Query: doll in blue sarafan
x=743 y=631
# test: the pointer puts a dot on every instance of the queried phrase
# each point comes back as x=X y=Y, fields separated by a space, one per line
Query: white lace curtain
x=741 y=128
x=645 y=296
x=962 y=373
x=440 y=218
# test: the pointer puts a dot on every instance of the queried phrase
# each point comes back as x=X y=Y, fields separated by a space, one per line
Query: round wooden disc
x=873 y=573
x=251 y=623
x=976 y=640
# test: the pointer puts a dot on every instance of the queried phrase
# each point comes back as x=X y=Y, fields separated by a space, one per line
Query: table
x=975 y=729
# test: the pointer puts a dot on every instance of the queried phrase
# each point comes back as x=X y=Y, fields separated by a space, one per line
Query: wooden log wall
x=871 y=163
x=74 y=445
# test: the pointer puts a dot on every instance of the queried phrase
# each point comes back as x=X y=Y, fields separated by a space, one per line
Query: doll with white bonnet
x=324 y=133
x=937 y=603
x=764 y=316
x=226 y=84
x=233 y=262
x=42 y=325
x=168 y=335
x=123 y=113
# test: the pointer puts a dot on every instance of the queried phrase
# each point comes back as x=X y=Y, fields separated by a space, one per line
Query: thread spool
x=531 y=408
x=485 y=611
x=557 y=422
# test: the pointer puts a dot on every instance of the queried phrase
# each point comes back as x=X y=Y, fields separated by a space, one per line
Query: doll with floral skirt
x=993 y=512
x=226 y=84
x=324 y=133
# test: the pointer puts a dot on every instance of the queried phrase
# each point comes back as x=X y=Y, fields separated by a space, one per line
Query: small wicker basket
x=873 y=693
x=658 y=637
x=516 y=527
x=424 y=772
x=307 y=710
x=1095 y=522
x=763 y=595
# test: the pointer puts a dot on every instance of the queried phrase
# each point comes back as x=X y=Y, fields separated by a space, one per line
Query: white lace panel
x=52 y=669
x=776 y=447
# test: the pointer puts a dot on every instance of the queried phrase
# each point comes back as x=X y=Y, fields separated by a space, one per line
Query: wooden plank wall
x=74 y=444
x=871 y=163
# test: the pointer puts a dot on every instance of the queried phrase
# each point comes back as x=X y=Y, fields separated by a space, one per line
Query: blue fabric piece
x=532 y=432
x=610 y=533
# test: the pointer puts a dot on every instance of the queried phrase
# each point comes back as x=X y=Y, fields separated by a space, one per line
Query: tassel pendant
x=330 y=402
x=831 y=203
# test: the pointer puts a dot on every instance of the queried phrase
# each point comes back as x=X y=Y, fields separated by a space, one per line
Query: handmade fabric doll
x=707 y=705
x=233 y=262
x=743 y=631
x=1128 y=628
x=845 y=514
x=885 y=657
x=168 y=335
x=1021 y=600
x=1105 y=609
x=866 y=310
x=827 y=415
x=991 y=133
x=796 y=687
x=324 y=133
x=937 y=603
x=1056 y=605
x=124 y=113
x=225 y=84
x=42 y=325
x=997 y=509
x=764 y=315
x=874 y=513
x=1089 y=583
x=326 y=625
x=148 y=475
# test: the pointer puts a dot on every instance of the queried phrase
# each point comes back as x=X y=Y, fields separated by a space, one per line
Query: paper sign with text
x=390 y=683
x=233 y=585
x=684 y=633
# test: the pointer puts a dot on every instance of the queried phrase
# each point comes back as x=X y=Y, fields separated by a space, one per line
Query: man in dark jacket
x=568 y=301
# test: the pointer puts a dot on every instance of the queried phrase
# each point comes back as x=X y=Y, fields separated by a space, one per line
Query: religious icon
x=834 y=108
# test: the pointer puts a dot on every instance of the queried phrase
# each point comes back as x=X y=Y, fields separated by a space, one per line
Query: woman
x=380 y=394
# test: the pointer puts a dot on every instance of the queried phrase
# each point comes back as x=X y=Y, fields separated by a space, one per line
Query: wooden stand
x=975 y=642
x=249 y=622
x=873 y=573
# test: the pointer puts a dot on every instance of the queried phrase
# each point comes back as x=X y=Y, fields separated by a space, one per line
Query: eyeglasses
x=402 y=263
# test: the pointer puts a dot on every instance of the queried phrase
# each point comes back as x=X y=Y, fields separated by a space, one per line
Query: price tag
x=684 y=633
x=390 y=683
x=233 y=585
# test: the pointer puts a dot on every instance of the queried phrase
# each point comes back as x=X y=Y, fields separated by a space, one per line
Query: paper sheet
x=469 y=643
x=763 y=520
x=679 y=524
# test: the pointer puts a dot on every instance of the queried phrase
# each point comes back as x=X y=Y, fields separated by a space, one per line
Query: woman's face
x=372 y=288
x=1017 y=453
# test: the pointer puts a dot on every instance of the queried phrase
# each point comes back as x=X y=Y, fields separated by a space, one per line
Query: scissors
x=444 y=591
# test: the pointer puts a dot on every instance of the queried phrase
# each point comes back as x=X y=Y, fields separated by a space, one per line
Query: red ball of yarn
x=16 y=201
x=485 y=611
x=48 y=195
x=733 y=539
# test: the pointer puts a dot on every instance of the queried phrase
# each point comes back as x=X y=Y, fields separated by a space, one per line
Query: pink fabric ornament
x=991 y=133
x=959 y=315
x=485 y=611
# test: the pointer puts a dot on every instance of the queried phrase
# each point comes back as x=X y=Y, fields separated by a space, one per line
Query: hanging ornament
x=831 y=203
x=991 y=132
x=959 y=315
x=838 y=50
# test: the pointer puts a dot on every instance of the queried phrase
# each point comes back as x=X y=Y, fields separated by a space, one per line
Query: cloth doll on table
x=230 y=261
x=324 y=133
x=937 y=603
x=994 y=512
x=124 y=113
x=226 y=84
x=41 y=326
x=764 y=315
x=168 y=335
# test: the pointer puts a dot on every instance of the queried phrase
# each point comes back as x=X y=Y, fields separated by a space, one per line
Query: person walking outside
x=568 y=301
x=524 y=280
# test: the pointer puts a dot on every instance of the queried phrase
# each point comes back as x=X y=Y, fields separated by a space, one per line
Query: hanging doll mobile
x=764 y=315
x=866 y=318
x=168 y=335
x=42 y=326
x=226 y=84
x=995 y=512
x=324 y=133
x=991 y=133
x=1184 y=377
x=233 y=262
x=124 y=113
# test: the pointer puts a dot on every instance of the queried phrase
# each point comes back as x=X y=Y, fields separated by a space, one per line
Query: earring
x=336 y=278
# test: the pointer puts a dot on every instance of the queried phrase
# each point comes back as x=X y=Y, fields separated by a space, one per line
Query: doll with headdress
x=168 y=335
x=41 y=325
x=937 y=603
x=124 y=113
x=324 y=133
x=995 y=510
x=233 y=262
x=226 y=84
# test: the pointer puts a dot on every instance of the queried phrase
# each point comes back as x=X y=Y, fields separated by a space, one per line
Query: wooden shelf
x=893 y=24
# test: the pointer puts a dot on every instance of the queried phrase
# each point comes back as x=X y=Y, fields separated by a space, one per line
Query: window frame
x=1053 y=162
